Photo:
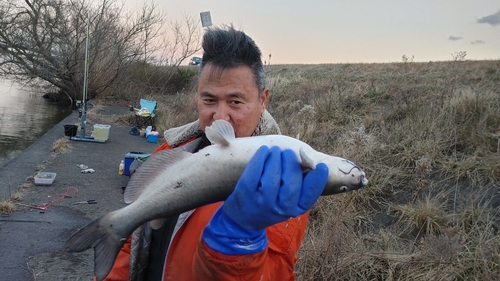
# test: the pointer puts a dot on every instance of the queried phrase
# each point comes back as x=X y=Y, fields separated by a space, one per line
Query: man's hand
x=271 y=190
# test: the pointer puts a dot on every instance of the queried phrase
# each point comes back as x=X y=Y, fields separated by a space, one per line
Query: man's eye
x=235 y=102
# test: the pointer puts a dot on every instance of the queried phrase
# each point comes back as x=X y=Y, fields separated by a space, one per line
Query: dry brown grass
x=16 y=197
x=61 y=145
x=7 y=207
x=425 y=133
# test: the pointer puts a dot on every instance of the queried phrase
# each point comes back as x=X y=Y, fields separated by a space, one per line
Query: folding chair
x=145 y=115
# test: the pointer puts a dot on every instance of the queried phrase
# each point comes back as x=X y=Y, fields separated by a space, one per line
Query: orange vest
x=189 y=258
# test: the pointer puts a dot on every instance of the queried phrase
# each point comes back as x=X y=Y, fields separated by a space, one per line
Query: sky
x=355 y=31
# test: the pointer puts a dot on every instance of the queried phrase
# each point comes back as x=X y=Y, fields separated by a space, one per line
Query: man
x=256 y=233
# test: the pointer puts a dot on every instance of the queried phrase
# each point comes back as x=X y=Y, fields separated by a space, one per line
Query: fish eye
x=343 y=188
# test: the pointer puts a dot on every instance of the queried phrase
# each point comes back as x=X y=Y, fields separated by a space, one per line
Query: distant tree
x=159 y=73
x=459 y=56
x=45 y=39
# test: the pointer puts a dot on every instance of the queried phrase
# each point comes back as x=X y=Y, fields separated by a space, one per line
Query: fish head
x=343 y=176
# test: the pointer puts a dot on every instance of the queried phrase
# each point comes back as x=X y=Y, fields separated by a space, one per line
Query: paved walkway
x=31 y=241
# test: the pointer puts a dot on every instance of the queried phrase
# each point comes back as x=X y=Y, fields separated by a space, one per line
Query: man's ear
x=263 y=99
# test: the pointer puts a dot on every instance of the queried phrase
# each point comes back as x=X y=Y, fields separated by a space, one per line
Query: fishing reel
x=78 y=104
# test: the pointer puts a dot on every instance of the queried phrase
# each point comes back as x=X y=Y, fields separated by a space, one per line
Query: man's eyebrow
x=238 y=95
x=207 y=95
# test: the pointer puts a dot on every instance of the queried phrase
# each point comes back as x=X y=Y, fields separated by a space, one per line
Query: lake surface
x=24 y=117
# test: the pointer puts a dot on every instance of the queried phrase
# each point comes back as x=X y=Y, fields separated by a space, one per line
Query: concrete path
x=31 y=241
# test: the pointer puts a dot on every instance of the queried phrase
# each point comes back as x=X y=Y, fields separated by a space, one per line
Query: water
x=24 y=117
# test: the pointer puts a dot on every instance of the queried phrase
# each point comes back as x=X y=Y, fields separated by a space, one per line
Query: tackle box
x=45 y=178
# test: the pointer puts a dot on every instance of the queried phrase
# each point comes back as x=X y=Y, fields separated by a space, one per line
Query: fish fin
x=305 y=161
x=157 y=223
x=149 y=170
x=220 y=132
x=105 y=243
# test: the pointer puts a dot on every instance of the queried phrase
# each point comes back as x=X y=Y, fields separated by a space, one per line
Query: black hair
x=229 y=48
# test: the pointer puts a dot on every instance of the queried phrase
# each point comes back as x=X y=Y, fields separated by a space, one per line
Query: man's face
x=230 y=95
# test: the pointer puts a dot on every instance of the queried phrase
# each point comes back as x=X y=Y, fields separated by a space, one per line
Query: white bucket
x=101 y=132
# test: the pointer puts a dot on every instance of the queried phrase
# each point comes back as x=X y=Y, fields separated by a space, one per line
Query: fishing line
x=44 y=206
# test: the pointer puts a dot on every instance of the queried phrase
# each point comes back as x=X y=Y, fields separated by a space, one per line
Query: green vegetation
x=427 y=134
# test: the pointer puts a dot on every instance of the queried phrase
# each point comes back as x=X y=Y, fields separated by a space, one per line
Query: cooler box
x=130 y=157
x=101 y=132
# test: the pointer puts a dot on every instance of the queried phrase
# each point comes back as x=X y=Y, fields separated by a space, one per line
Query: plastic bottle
x=143 y=131
x=148 y=130
x=121 y=168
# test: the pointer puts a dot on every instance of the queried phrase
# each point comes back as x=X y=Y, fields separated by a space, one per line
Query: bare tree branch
x=46 y=39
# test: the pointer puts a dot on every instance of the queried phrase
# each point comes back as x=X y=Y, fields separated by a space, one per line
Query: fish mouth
x=363 y=181
x=355 y=182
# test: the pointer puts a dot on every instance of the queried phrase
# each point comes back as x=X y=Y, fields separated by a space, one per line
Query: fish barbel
x=171 y=182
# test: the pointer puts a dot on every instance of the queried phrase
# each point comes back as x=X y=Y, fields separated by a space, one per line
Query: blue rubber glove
x=271 y=189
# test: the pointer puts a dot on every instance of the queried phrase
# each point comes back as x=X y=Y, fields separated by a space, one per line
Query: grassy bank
x=428 y=136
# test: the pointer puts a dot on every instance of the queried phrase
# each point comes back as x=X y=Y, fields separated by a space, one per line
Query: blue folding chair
x=145 y=115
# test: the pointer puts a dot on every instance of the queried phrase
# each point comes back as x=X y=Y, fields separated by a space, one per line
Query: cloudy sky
x=341 y=31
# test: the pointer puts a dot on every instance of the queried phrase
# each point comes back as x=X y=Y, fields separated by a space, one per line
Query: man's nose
x=221 y=113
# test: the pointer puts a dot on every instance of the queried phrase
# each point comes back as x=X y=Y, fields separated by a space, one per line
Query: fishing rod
x=83 y=104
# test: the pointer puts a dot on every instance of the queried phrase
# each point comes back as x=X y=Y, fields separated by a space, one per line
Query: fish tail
x=106 y=245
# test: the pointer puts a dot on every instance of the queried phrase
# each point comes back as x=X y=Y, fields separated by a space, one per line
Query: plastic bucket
x=70 y=130
x=153 y=138
x=101 y=132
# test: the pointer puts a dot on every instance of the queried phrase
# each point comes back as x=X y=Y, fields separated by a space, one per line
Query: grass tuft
x=7 y=207
x=61 y=145
x=426 y=217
